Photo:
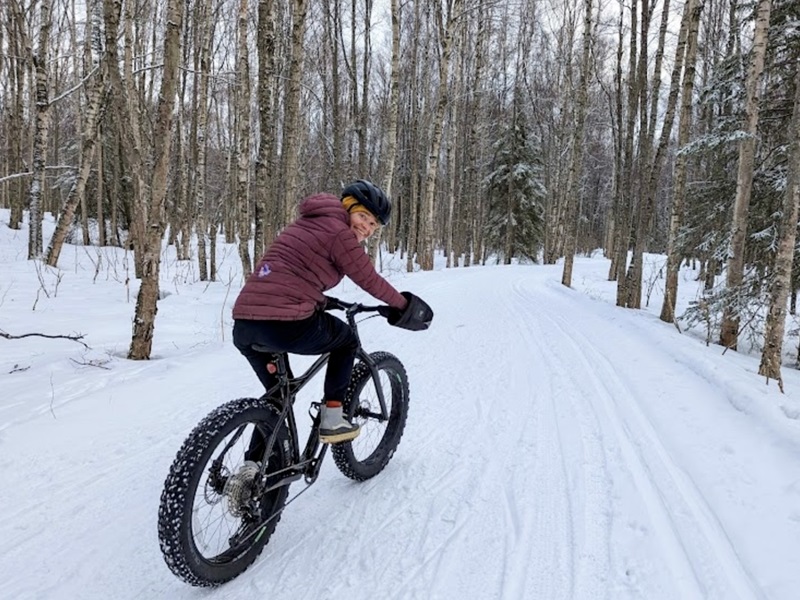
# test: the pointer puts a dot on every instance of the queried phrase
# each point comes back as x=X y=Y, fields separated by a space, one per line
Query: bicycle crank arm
x=371 y=415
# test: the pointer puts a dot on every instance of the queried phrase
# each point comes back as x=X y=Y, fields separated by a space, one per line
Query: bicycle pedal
x=311 y=471
x=313 y=410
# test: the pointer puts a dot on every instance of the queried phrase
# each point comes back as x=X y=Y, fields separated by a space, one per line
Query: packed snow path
x=557 y=448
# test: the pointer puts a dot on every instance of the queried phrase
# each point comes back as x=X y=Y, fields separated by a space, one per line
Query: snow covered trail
x=556 y=448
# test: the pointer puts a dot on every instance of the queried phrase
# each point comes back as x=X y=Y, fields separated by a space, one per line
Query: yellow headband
x=352 y=205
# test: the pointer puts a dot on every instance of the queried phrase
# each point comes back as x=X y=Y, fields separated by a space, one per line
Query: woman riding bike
x=281 y=306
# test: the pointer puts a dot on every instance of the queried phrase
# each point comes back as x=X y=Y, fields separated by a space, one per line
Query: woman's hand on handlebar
x=390 y=312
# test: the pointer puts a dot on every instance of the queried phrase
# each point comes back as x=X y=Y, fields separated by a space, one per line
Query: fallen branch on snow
x=74 y=338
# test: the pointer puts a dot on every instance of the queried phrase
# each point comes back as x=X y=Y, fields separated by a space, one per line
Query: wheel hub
x=239 y=488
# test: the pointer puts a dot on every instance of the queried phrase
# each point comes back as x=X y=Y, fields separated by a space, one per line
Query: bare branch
x=75 y=88
x=50 y=168
x=74 y=338
x=100 y=364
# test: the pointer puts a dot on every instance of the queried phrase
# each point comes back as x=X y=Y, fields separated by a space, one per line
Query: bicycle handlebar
x=351 y=308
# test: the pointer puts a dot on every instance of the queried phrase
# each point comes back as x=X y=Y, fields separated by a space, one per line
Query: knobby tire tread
x=180 y=487
x=343 y=454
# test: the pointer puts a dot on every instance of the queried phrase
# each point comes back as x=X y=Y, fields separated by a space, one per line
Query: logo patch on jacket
x=264 y=270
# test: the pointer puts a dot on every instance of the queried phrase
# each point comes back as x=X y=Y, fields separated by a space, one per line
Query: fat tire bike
x=229 y=483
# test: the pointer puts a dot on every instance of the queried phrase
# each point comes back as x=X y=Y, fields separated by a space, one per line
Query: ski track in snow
x=529 y=469
x=698 y=551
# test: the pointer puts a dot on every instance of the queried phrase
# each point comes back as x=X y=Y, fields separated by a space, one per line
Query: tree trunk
x=19 y=71
x=473 y=248
x=623 y=216
x=79 y=126
x=291 y=133
x=363 y=114
x=394 y=101
x=446 y=33
x=78 y=190
x=451 y=183
x=412 y=202
x=639 y=164
x=770 y=365
x=618 y=134
x=204 y=28
x=573 y=190
x=101 y=214
x=126 y=107
x=333 y=26
x=42 y=129
x=243 y=140
x=265 y=228
x=651 y=171
x=146 y=302
x=729 y=334
x=692 y=11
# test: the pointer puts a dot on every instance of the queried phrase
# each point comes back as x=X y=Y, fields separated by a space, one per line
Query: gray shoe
x=334 y=428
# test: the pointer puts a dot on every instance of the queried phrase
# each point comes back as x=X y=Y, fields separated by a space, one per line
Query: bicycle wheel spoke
x=370 y=452
x=209 y=507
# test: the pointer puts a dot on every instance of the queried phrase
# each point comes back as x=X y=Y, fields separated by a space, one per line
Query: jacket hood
x=323 y=205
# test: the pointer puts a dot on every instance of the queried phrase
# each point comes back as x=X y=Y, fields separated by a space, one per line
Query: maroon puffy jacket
x=309 y=257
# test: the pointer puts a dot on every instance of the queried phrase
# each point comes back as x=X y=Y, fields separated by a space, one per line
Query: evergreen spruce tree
x=516 y=193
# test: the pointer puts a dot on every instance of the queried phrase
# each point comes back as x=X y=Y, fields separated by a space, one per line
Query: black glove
x=416 y=316
x=390 y=312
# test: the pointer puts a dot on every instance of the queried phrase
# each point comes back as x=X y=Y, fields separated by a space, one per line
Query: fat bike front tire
x=211 y=526
x=369 y=453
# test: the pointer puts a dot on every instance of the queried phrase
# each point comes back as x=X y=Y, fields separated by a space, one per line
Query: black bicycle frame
x=287 y=388
x=282 y=396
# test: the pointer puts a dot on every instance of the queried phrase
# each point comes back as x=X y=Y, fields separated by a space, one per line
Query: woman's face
x=363 y=225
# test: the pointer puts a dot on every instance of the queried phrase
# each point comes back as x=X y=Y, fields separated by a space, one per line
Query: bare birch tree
x=204 y=27
x=687 y=39
x=446 y=25
x=42 y=129
x=243 y=139
x=265 y=44
x=418 y=64
x=573 y=190
x=394 y=101
x=475 y=243
x=127 y=107
x=77 y=192
x=624 y=203
x=19 y=72
x=146 y=302
x=729 y=334
x=770 y=366
x=292 y=126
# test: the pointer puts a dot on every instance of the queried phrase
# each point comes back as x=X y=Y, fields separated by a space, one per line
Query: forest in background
x=503 y=130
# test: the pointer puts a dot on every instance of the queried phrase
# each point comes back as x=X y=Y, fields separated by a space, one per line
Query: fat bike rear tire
x=369 y=453
x=209 y=475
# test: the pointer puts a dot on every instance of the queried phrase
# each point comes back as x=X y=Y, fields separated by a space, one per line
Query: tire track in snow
x=582 y=458
x=509 y=471
x=538 y=560
x=490 y=443
x=698 y=549
x=443 y=493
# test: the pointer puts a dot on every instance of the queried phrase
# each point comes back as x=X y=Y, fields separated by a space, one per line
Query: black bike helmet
x=372 y=197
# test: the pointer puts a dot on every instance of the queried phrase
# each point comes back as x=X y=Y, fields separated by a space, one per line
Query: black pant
x=318 y=334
